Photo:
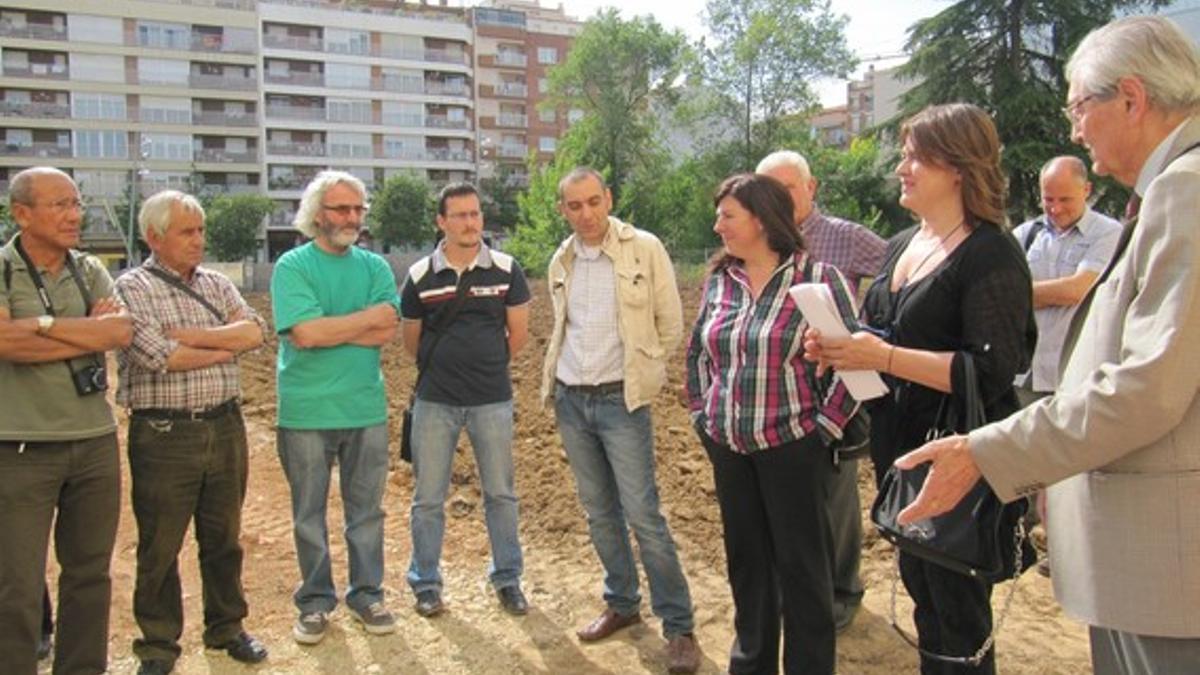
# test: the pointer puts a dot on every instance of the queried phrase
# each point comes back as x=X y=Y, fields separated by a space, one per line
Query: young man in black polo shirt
x=465 y=312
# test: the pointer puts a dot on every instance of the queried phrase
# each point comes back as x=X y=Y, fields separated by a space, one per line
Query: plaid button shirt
x=156 y=308
x=856 y=251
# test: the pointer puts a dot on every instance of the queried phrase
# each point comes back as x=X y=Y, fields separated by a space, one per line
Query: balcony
x=296 y=149
x=513 y=89
x=39 y=70
x=410 y=154
x=37 y=150
x=32 y=32
x=296 y=112
x=512 y=120
x=400 y=85
x=427 y=55
x=446 y=88
x=290 y=181
x=402 y=120
x=511 y=151
x=228 y=189
x=441 y=122
x=161 y=116
x=224 y=119
x=202 y=81
x=226 y=156
x=281 y=219
x=224 y=44
x=512 y=59
x=50 y=110
x=448 y=155
x=305 y=44
x=299 y=79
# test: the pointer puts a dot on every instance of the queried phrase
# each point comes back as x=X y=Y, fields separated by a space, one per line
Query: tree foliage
x=402 y=211
x=499 y=196
x=763 y=57
x=232 y=223
x=1008 y=57
x=613 y=72
x=540 y=227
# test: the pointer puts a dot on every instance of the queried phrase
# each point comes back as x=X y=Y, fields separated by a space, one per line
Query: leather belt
x=602 y=389
x=219 y=410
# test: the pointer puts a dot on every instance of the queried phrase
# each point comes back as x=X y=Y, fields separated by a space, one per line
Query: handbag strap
x=177 y=283
x=460 y=298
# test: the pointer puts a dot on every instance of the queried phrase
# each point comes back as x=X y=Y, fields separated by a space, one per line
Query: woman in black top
x=955 y=284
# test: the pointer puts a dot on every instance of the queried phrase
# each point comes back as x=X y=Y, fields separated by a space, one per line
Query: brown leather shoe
x=606 y=624
x=683 y=655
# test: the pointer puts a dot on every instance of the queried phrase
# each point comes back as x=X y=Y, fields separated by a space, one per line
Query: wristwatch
x=45 y=323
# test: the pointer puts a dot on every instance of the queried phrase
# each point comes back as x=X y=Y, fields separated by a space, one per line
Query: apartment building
x=516 y=43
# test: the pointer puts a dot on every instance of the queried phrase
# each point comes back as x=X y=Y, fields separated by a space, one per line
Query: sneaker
x=429 y=603
x=375 y=619
x=310 y=627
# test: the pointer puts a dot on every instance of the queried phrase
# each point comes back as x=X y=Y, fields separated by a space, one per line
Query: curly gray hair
x=314 y=194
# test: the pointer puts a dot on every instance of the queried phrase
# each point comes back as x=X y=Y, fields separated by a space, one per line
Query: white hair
x=1151 y=48
x=314 y=194
x=20 y=188
x=782 y=158
x=155 y=214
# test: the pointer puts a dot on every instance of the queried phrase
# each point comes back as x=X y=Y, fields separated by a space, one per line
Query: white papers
x=816 y=303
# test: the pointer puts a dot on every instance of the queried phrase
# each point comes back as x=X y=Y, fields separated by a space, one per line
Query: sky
x=876 y=28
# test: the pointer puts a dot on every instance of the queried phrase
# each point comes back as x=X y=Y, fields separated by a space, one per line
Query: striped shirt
x=748 y=384
x=156 y=308
x=855 y=250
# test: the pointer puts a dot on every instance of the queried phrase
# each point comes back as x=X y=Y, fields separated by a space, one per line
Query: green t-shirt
x=39 y=399
x=329 y=387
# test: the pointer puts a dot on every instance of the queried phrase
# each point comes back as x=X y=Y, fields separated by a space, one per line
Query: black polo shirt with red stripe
x=469 y=365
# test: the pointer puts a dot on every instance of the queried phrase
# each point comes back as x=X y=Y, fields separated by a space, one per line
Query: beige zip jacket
x=649 y=313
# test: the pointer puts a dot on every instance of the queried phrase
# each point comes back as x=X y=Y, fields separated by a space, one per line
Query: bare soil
x=562 y=577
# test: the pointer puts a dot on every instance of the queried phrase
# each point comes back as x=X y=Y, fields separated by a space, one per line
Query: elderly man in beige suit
x=1119 y=444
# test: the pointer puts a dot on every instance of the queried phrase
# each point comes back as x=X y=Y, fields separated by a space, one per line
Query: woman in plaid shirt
x=766 y=420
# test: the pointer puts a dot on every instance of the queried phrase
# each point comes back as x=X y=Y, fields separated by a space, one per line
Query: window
x=347 y=76
x=546 y=143
x=574 y=115
x=162 y=71
x=348 y=110
x=102 y=143
x=168 y=110
x=86 y=28
x=548 y=116
x=342 y=41
x=168 y=146
x=98 y=106
x=164 y=35
x=543 y=85
x=403 y=147
x=547 y=55
x=343 y=144
x=94 y=183
x=400 y=114
x=97 y=67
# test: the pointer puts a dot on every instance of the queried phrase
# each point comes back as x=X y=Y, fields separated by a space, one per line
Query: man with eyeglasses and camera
x=465 y=314
x=335 y=306
x=188 y=454
x=58 y=441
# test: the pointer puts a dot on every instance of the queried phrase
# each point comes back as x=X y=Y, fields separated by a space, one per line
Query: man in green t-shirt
x=335 y=305
x=58 y=442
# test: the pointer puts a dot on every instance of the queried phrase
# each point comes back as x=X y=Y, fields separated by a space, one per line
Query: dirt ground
x=562 y=576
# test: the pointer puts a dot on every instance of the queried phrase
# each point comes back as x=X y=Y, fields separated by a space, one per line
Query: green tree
x=1008 y=57
x=540 y=228
x=856 y=184
x=499 y=196
x=763 y=57
x=613 y=72
x=232 y=223
x=8 y=226
x=402 y=211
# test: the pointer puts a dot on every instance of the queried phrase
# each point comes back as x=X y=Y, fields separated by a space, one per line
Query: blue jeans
x=436 y=428
x=611 y=452
x=308 y=457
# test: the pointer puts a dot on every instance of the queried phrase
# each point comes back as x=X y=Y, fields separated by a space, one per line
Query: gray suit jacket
x=1120 y=443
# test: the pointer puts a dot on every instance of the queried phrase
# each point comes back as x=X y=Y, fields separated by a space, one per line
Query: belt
x=219 y=410
x=594 y=389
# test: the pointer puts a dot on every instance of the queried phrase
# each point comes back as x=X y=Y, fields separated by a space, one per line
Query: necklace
x=941 y=244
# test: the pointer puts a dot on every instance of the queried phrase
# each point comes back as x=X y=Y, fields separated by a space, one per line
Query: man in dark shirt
x=465 y=312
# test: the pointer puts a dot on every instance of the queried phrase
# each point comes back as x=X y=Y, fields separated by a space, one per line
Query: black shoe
x=45 y=644
x=155 y=667
x=513 y=600
x=244 y=648
x=429 y=603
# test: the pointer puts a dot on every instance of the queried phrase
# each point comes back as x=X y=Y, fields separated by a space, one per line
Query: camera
x=90 y=379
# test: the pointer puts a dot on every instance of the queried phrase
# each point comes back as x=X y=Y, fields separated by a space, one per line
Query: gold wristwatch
x=44 y=323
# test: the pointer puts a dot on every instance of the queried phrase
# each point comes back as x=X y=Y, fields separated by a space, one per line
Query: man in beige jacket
x=1119 y=443
x=616 y=317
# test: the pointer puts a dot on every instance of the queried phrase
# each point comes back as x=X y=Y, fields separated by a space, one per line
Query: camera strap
x=36 y=277
x=177 y=283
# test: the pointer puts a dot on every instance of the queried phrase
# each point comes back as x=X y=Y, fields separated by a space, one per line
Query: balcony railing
x=444 y=56
x=297 y=149
x=439 y=122
x=401 y=85
x=512 y=151
x=53 y=110
x=32 y=32
x=307 y=44
x=222 y=155
x=36 y=150
x=224 y=119
x=227 y=44
x=161 y=116
x=38 y=70
x=446 y=88
x=427 y=55
x=295 y=112
x=290 y=182
x=517 y=89
x=300 y=79
x=512 y=120
x=448 y=155
x=281 y=219
x=402 y=120
x=512 y=59
x=222 y=82
x=229 y=188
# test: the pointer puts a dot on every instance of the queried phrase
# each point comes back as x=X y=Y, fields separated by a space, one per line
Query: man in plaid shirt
x=857 y=252
x=187 y=440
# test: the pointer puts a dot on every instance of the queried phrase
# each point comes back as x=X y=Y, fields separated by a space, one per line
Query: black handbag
x=981 y=537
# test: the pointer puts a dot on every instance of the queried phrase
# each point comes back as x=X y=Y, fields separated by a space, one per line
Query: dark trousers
x=185 y=471
x=47 y=614
x=77 y=486
x=953 y=615
x=778 y=548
